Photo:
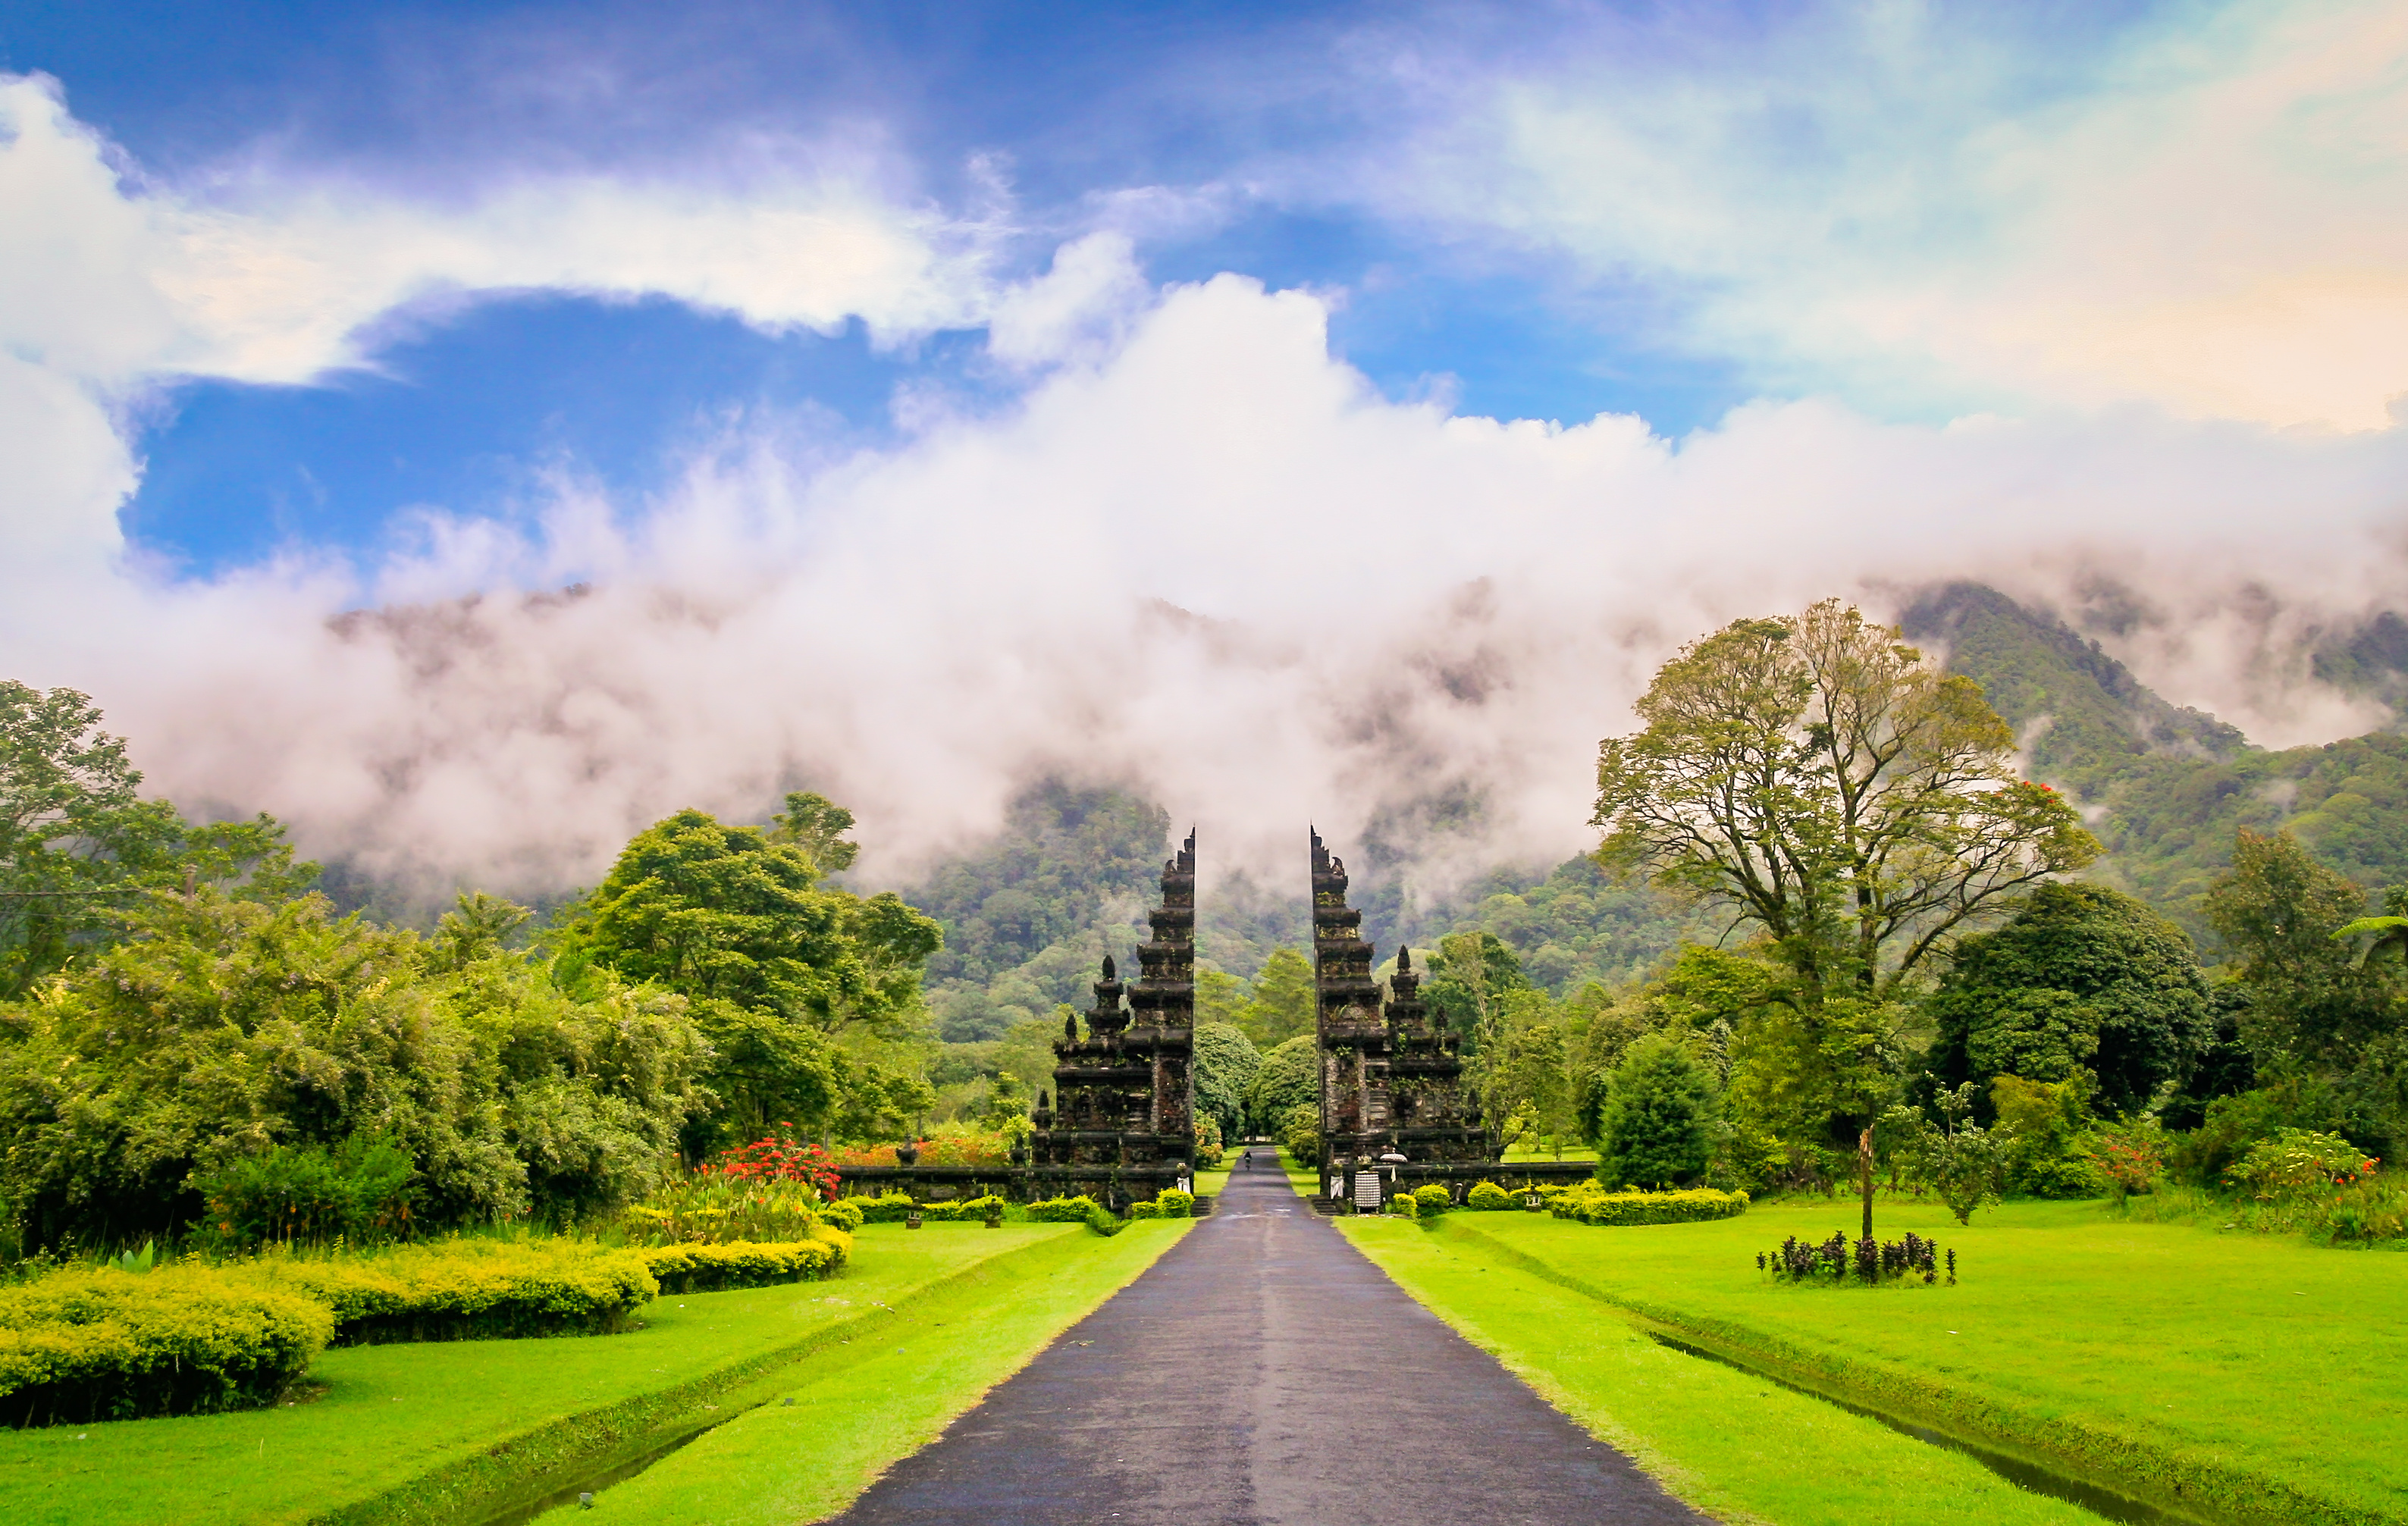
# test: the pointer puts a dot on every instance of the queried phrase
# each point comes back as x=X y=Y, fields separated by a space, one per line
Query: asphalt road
x=1263 y=1372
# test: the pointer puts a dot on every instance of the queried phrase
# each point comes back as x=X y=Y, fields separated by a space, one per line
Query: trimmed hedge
x=471 y=1290
x=1487 y=1197
x=1433 y=1199
x=1405 y=1206
x=740 y=1263
x=1593 y=1204
x=1064 y=1210
x=1145 y=1210
x=87 y=1343
x=1174 y=1203
x=968 y=1209
x=889 y=1209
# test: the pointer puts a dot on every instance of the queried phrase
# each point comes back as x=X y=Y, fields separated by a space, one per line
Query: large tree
x=777 y=969
x=1224 y=1067
x=2080 y=977
x=1282 y=1002
x=79 y=843
x=1290 y=1077
x=1821 y=780
x=1824 y=781
x=2310 y=996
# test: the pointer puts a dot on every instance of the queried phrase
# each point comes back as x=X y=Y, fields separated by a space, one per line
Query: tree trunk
x=1865 y=1175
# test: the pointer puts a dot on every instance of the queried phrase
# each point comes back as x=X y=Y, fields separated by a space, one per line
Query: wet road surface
x=1262 y=1372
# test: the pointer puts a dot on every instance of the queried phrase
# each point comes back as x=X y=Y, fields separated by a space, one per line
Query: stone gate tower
x=1121 y=1123
x=1391 y=1079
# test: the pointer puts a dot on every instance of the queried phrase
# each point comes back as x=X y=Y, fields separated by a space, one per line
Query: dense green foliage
x=1028 y=917
x=1289 y=1077
x=84 y=1344
x=775 y=969
x=220 y=1029
x=1224 y=1069
x=2173 y=786
x=1656 y=1126
x=77 y=845
x=2080 y=977
x=1279 y=1001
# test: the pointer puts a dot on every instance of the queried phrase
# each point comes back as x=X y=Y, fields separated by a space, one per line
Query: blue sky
x=1068 y=103
x=1296 y=412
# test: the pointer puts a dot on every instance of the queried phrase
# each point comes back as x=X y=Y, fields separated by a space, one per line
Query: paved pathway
x=1262 y=1372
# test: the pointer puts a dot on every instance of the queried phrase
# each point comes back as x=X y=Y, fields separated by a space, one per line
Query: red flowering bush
x=2298 y=1161
x=778 y=1158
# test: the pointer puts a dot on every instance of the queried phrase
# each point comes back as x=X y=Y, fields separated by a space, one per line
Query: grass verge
x=781 y=1464
x=2245 y=1378
x=1727 y=1441
x=438 y=1432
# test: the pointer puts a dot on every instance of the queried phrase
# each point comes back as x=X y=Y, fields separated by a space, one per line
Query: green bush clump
x=1145 y=1210
x=1487 y=1197
x=1593 y=1204
x=1405 y=1206
x=968 y=1210
x=1434 y=1200
x=740 y=1263
x=86 y=1344
x=889 y=1209
x=1174 y=1203
x=1064 y=1210
x=1103 y=1223
x=361 y=1192
x=843 y=1214
x=470 y=1289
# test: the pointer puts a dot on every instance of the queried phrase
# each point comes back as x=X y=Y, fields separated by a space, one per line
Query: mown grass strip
x=445 y=1428
x=2061 y=1412
x=1735 y=1445
x=781 y=1464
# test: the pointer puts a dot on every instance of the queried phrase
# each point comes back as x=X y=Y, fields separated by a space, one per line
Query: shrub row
x=88 y=1344
x=1172 y=1204
x=471 y=1290
x=889 y=1209
x=1064 y=1210
x=740 y=1263
x=1593 y=1204
x=968 y=1210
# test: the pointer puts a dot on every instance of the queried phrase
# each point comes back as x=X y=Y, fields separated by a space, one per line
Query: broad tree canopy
x=1833 y=786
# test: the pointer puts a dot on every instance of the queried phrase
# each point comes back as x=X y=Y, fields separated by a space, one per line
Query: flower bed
x=93 y=1344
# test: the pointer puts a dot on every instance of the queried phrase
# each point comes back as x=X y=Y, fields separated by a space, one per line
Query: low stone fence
x=1114 y=1187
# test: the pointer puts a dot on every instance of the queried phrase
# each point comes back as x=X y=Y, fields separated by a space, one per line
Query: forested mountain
x=1028 y=917
x=2172 y=786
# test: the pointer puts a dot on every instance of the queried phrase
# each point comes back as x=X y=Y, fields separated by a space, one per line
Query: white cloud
x=2214 y=220
x=1216 y=566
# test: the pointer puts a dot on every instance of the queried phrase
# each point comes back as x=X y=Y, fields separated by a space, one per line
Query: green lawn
x=1727 y=1441
x=398 y=1433
x=781 y=1462
x=2263 y=1373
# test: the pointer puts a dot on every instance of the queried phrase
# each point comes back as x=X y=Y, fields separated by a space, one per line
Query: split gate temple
x=1120 y=1122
